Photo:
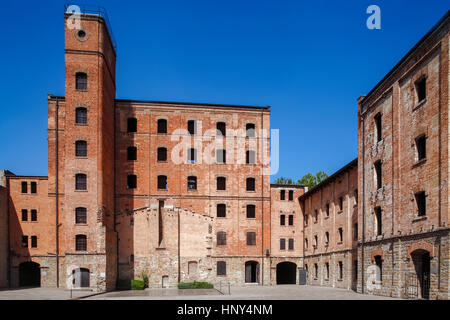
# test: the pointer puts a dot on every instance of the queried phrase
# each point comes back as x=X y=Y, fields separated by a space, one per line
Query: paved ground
x=285 y=292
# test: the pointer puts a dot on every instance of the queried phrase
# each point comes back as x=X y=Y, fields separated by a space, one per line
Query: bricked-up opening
x=80 y=181
x=221 y=156
x=378 y=221
x=327 y=238
x=192 y=183
x=221 y=268
x=192 y=267
x=341 y=270
x=192 y=155
x=131 y=153
x=80 y=278
x=421 y=147
x=29 y=274
x=251 y=238
x=81 y=215
x=355 y=231
x=221 y=128
x=221 y=238
x=80 y=148
x=162 y=154
x=80 y=242
x=421 y=203
x=282 y=220
x=282 y=194
x=379 y=264
x=24 y=187
x=341 y=234
x=192 y=126
x=291 y=220
x=33 y=187
x=24 y=215
x=341 y=203
x=250 y=157
x=327 y=209
x=81 y=115
x=162 y=126
x=282 y=244
x=421 y=89
x=33 y=241
x=378 y=128
x=251 y=272
x=291 y=195
x=250 y=130
x=251 y=211
x=378 y=174
x=33 y=215
x=162 y=182
x=131 y=181
x=250 y=184
x=24 y=241
x=221 y=210
x=327 y=270
x=131 y=125
x=221 y=183
x=81 y=81
x=291 y=244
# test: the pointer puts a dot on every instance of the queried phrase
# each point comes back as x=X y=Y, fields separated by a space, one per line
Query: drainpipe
x=363 y=209
x=57 y=192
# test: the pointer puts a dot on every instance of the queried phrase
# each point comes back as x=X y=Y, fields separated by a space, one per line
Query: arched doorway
x=252 y=272
x=286 y=273
x=421 y=261
x=80 y=278
x=29 y=274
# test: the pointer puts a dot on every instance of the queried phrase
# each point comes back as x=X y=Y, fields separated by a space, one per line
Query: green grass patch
x=195 y=285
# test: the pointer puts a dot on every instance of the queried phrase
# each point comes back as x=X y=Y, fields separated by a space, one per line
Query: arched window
x=162 y=154
x=192 y=183
x=81 y=115
x=80 y=181
x=131 y=181
x=221 y=183
x=250 y=184
x=80 y=242
x=132 y=153
x=132 y=125
x=80 y=215
x=81 y=81
x=162 y=126
x=162 y=182
x=80 y=148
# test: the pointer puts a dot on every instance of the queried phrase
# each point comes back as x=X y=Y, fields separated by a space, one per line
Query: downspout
x=363 y=208
x=262 y=200
x=8 y=230
x=57 y=192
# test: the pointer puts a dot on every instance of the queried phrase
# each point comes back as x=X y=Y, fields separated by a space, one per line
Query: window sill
x=81 y=157
x=250 y=191
x=80 y=191
x=419 y=104
x=81 y=224
x=81 y=90
x=163 y=190
x=192 y=190
x=419 y=163
x=162 y=161
x=419 y=218
x=81 y=124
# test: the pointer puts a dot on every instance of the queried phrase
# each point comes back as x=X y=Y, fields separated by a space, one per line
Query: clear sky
x=308 y=60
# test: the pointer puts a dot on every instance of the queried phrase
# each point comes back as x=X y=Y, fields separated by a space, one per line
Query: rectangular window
x=24 y=215
x=162 y=126
x=282 y=194
x=421 y=89
x=80 y=215
x=291 y=195
x=355 y=232
x=282 y=244
x=192 y=124
x=80 y=243
x=81 y=81
x=355 y=269
x=162 y=154
x=421 y=146
x=33 y=187
x=81 y=148
x=378 y=172
x=327 y=209
x=131 y=181
x=221 y=156
x=250 y=157
x=221 y=238
x=162 y=182
x=33 y=215
x=221 y=268
x=81 y=115
x=291 y=244
x=132 y=125
x=341 y=270
x=33 y=241
x=192 y=183
x=379 y=264
x=192 y=155
x=341 y=234
x=24 y=241
x=250 y=129
x=221 y=183
x=221 y=128
x=378 y=128
x=250 y=184
x=24 y=187
x=251 y=238
x=282 y=220
x=132 y=153
x=421 y=203
x=250 y=211
x=378 y=220
x=221 y=210
x=291 y=220
x=341 y=203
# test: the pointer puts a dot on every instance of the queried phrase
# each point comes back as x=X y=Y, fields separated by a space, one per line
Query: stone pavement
x=282 y=292
x=40 y=294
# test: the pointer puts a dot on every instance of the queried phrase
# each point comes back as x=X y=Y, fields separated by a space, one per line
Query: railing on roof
x=94 y=10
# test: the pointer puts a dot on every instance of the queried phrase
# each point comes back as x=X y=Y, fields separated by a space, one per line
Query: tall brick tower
x=82 y=169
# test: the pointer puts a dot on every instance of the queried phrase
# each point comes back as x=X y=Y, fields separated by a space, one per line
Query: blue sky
x=308 y=60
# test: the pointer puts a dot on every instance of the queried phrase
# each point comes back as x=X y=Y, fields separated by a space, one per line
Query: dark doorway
x=251 y=272
x=80 y=278
x=302 y=276
x=286 y=273
x=29 y=274
x=421 y=260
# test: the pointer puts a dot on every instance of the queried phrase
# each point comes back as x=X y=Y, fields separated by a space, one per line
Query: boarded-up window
x=250 y=157
x=221 y=238
x=251 y=238
x=221 y=156
x=221 y=268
